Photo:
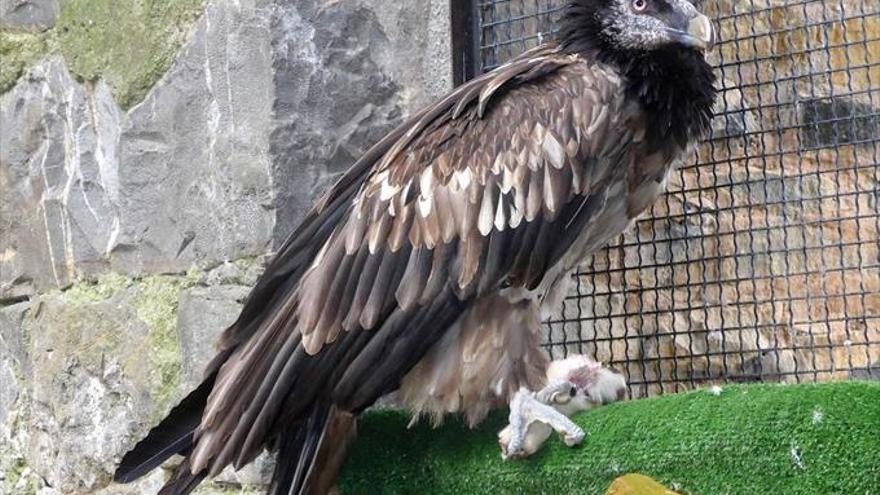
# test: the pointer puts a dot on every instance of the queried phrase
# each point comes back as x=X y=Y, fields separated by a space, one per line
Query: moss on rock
x=18 y=51
x=17 y=478
x=129 y=43
x=157 y=306
x=155 y=300
x=104 y=287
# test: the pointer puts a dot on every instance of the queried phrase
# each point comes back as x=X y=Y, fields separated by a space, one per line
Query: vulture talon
x=575 y=384
x=526 y=409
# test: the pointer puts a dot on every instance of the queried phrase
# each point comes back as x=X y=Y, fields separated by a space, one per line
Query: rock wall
x=151 y=155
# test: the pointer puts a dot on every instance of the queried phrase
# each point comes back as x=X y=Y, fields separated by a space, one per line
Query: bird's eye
x=572 y=392
x=639 y=5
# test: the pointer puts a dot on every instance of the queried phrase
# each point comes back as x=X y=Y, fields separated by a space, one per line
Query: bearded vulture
x=425 y=267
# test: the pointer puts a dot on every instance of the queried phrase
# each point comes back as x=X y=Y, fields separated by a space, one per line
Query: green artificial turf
x=750 y=439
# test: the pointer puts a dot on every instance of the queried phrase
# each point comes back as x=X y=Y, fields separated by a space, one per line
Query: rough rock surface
x=59 y=215
x=87 y=375
x=29 y=14
x=330 y=60
x=181 y=179
x=196 y=186
x=263 y=106
x=203 y=315
x=131 y=231
x=80 y=383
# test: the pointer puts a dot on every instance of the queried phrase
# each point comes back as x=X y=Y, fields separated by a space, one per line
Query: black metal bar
x=465 y=40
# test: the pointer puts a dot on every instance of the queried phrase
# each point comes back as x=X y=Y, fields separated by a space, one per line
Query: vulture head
x=635 y=25
x=659 y=47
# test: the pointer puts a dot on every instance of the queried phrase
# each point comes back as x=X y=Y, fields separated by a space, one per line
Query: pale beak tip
x=700 y=28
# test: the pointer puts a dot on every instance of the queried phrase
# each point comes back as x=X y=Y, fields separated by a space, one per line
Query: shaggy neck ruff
x=674 y=84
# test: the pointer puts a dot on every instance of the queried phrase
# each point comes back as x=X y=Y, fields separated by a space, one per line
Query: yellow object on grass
x=637 y=484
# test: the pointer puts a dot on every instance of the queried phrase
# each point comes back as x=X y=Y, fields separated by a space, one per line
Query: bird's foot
x=528 y=408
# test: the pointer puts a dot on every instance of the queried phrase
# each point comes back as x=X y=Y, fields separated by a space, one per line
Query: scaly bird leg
x=528 y=407
x=519 y=425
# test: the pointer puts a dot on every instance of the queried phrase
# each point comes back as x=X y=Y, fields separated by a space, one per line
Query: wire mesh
x=762 y=262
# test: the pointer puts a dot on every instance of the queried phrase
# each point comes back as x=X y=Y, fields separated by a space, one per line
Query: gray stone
x=90 y=387
x=182 y=179
x=14 y=362
x=203 y=314
x=228 y=488
x=29 y=14
x=242 y=272
x=15 y=477
x=256 y=474
x=345 y=74
x=149 y=484
x=59 y=214
x=195 y=184
x=265 y=105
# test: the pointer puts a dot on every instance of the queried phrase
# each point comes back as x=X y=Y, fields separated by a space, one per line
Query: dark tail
x=172 y=436
x=182 y=481
x=311 y=452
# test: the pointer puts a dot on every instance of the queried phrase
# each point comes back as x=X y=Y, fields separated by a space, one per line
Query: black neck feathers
x=674 y=84
x=676 y=88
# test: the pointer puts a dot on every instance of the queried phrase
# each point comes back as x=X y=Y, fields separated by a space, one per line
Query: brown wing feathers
x=480 y=188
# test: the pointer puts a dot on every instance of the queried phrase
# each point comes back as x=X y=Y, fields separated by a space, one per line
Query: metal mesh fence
x=762 y=263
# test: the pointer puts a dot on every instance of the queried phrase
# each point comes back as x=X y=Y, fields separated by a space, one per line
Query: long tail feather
x=338 y=437
x=172 y=436
x=311 y=452
x=182 y=481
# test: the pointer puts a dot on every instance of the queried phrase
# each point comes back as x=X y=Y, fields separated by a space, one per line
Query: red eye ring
x=639 y=5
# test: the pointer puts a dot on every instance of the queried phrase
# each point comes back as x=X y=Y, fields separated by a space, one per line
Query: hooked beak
x=699 y=34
